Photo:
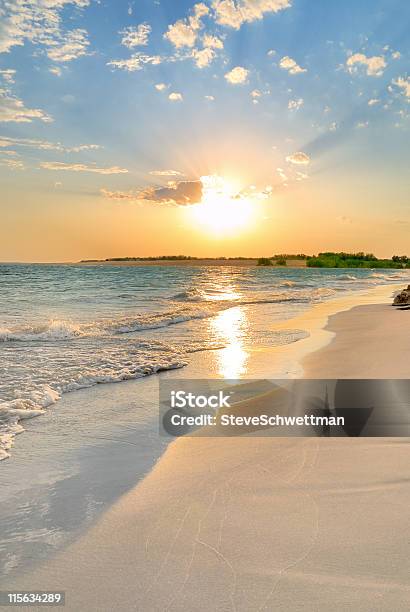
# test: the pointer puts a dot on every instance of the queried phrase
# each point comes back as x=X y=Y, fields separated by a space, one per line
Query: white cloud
x=373 y=101
x=75 y=45
x=56 y=70
x=282 y=174
x=298 y=158
x=271 y=53
x=396 y=55
x=203 y=57
x=184 y=32
x=160 y=86
x=166 y=173
x=237 y=75
x=8 y=75
x=289 y=64
x=82 y=168
x=136 y=62
x=45 y=145
x=295 y=104
x=212 y=42
x=181 y=34
x=234 y=14
x=404 y=84
x=301 y=176
x=12 y=109
x=375 y=65
x=256 y=93
x=13 y=164
x=362 y=124
x=175 y=97
x=136 y=36
x=40 y=23
x=210 y=98
x=180 y=193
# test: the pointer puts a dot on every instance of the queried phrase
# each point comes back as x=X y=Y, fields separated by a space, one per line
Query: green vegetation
x=280 y=261
x=264 y=261
x=300 y=256
x=354 y=260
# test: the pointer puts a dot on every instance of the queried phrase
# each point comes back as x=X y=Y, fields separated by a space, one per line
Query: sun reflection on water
x=230 y=326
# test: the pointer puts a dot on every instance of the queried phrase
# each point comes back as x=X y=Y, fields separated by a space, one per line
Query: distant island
x=340 y=260
x=322 y=260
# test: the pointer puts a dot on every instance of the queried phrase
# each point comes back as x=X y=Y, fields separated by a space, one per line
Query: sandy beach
x=257 y=523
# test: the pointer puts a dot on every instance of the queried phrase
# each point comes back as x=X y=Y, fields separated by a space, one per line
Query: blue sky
x=111 y=103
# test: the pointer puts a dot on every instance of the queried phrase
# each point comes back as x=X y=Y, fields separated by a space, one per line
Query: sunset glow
x=202 y=128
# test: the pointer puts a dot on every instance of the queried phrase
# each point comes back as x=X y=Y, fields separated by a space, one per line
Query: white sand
x=254 y=523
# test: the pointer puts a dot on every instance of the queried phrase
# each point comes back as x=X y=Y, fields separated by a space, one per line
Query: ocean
x=67 y=327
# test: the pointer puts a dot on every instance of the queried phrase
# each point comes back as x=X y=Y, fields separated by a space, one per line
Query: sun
x=223 y=208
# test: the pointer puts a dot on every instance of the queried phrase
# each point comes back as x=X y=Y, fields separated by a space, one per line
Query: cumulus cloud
x=166 y=173
x=234 y=14
x=289 y=64
x=396 y=55
x=373 y=101
x=298 y=158
x=136 y=62
x=375 y=65
x=180 y=193
x=175 y=97
x=295 y=104
x=75 y=45
x=12 y=109
x=75 y=167
x=39 y=22
x=404 y=84
x=136 y=36
x=184 y=32
x=8 y=75
x=210 y=98
x=160 y=86
x=212 y=42
x=237 y=75
x=45 y=145
x=203 y=57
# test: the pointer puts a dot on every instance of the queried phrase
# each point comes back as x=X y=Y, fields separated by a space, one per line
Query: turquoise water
x=68 y=327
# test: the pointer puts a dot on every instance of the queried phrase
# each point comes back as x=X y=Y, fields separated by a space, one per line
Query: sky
x=215 y=128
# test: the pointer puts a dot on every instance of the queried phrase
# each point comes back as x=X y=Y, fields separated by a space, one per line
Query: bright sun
x=222 y=209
